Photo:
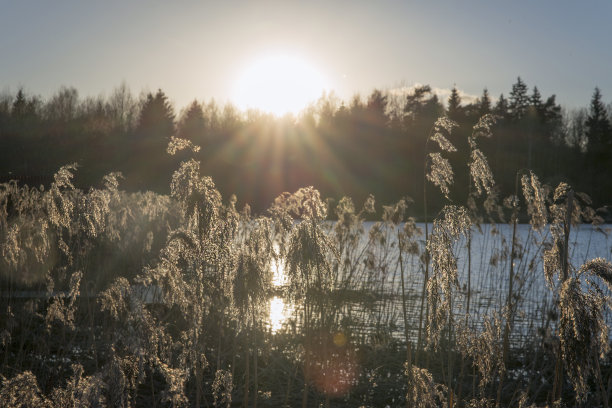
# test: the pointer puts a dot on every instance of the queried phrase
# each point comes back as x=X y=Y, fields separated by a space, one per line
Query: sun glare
x=279 y=84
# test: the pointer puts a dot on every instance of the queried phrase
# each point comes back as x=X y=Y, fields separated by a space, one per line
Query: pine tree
x=150 y=165
x=519 y=100
x=454 y=105
x=553 y=119
x=501 y=107
x=598 y=134
x=552 y=111
x=19 y=105
x=376 y=109
x=484 y=103
x=193 y=124
x=536 y=97
x=598 y=127
x=536 y=100
x=156 y=117
x=415 y=101
x=421 y=105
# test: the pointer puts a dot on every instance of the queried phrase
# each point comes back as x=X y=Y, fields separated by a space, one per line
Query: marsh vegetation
x=125 y=299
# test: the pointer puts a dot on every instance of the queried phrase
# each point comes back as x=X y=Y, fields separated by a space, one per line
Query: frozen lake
x=484 y=269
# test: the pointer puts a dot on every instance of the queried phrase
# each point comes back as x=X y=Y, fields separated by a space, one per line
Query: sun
x=279 y=84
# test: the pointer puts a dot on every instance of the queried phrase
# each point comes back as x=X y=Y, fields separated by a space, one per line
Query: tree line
x=374 y=144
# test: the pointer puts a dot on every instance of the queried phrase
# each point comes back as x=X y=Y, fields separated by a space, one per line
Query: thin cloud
x=442 y=93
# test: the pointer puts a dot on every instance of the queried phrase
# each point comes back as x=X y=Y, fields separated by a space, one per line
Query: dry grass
x=112 y=299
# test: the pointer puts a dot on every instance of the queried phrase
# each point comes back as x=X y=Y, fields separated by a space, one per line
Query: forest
x=368 y=145
x=389 y=251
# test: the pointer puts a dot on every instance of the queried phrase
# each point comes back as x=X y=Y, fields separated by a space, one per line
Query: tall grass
x=117 y=299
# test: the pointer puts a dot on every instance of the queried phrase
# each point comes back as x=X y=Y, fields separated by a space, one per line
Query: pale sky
x=198 y=49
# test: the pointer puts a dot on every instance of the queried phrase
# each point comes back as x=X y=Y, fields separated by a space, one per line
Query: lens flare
x=331 y=364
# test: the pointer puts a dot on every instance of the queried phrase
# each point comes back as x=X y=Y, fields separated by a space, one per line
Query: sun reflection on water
x=279 y=310
x=279 y=313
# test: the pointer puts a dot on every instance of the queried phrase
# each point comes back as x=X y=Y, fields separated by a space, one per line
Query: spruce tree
x=598 y=132
x=19 y=105
x=598 y=127
x=536 y=100
x=454 y=105
x=23 y=110
x=519 y=100
x=150 y=167
x=192 y=125
x=501 y=107
x=156 y=117
x=484 y=103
